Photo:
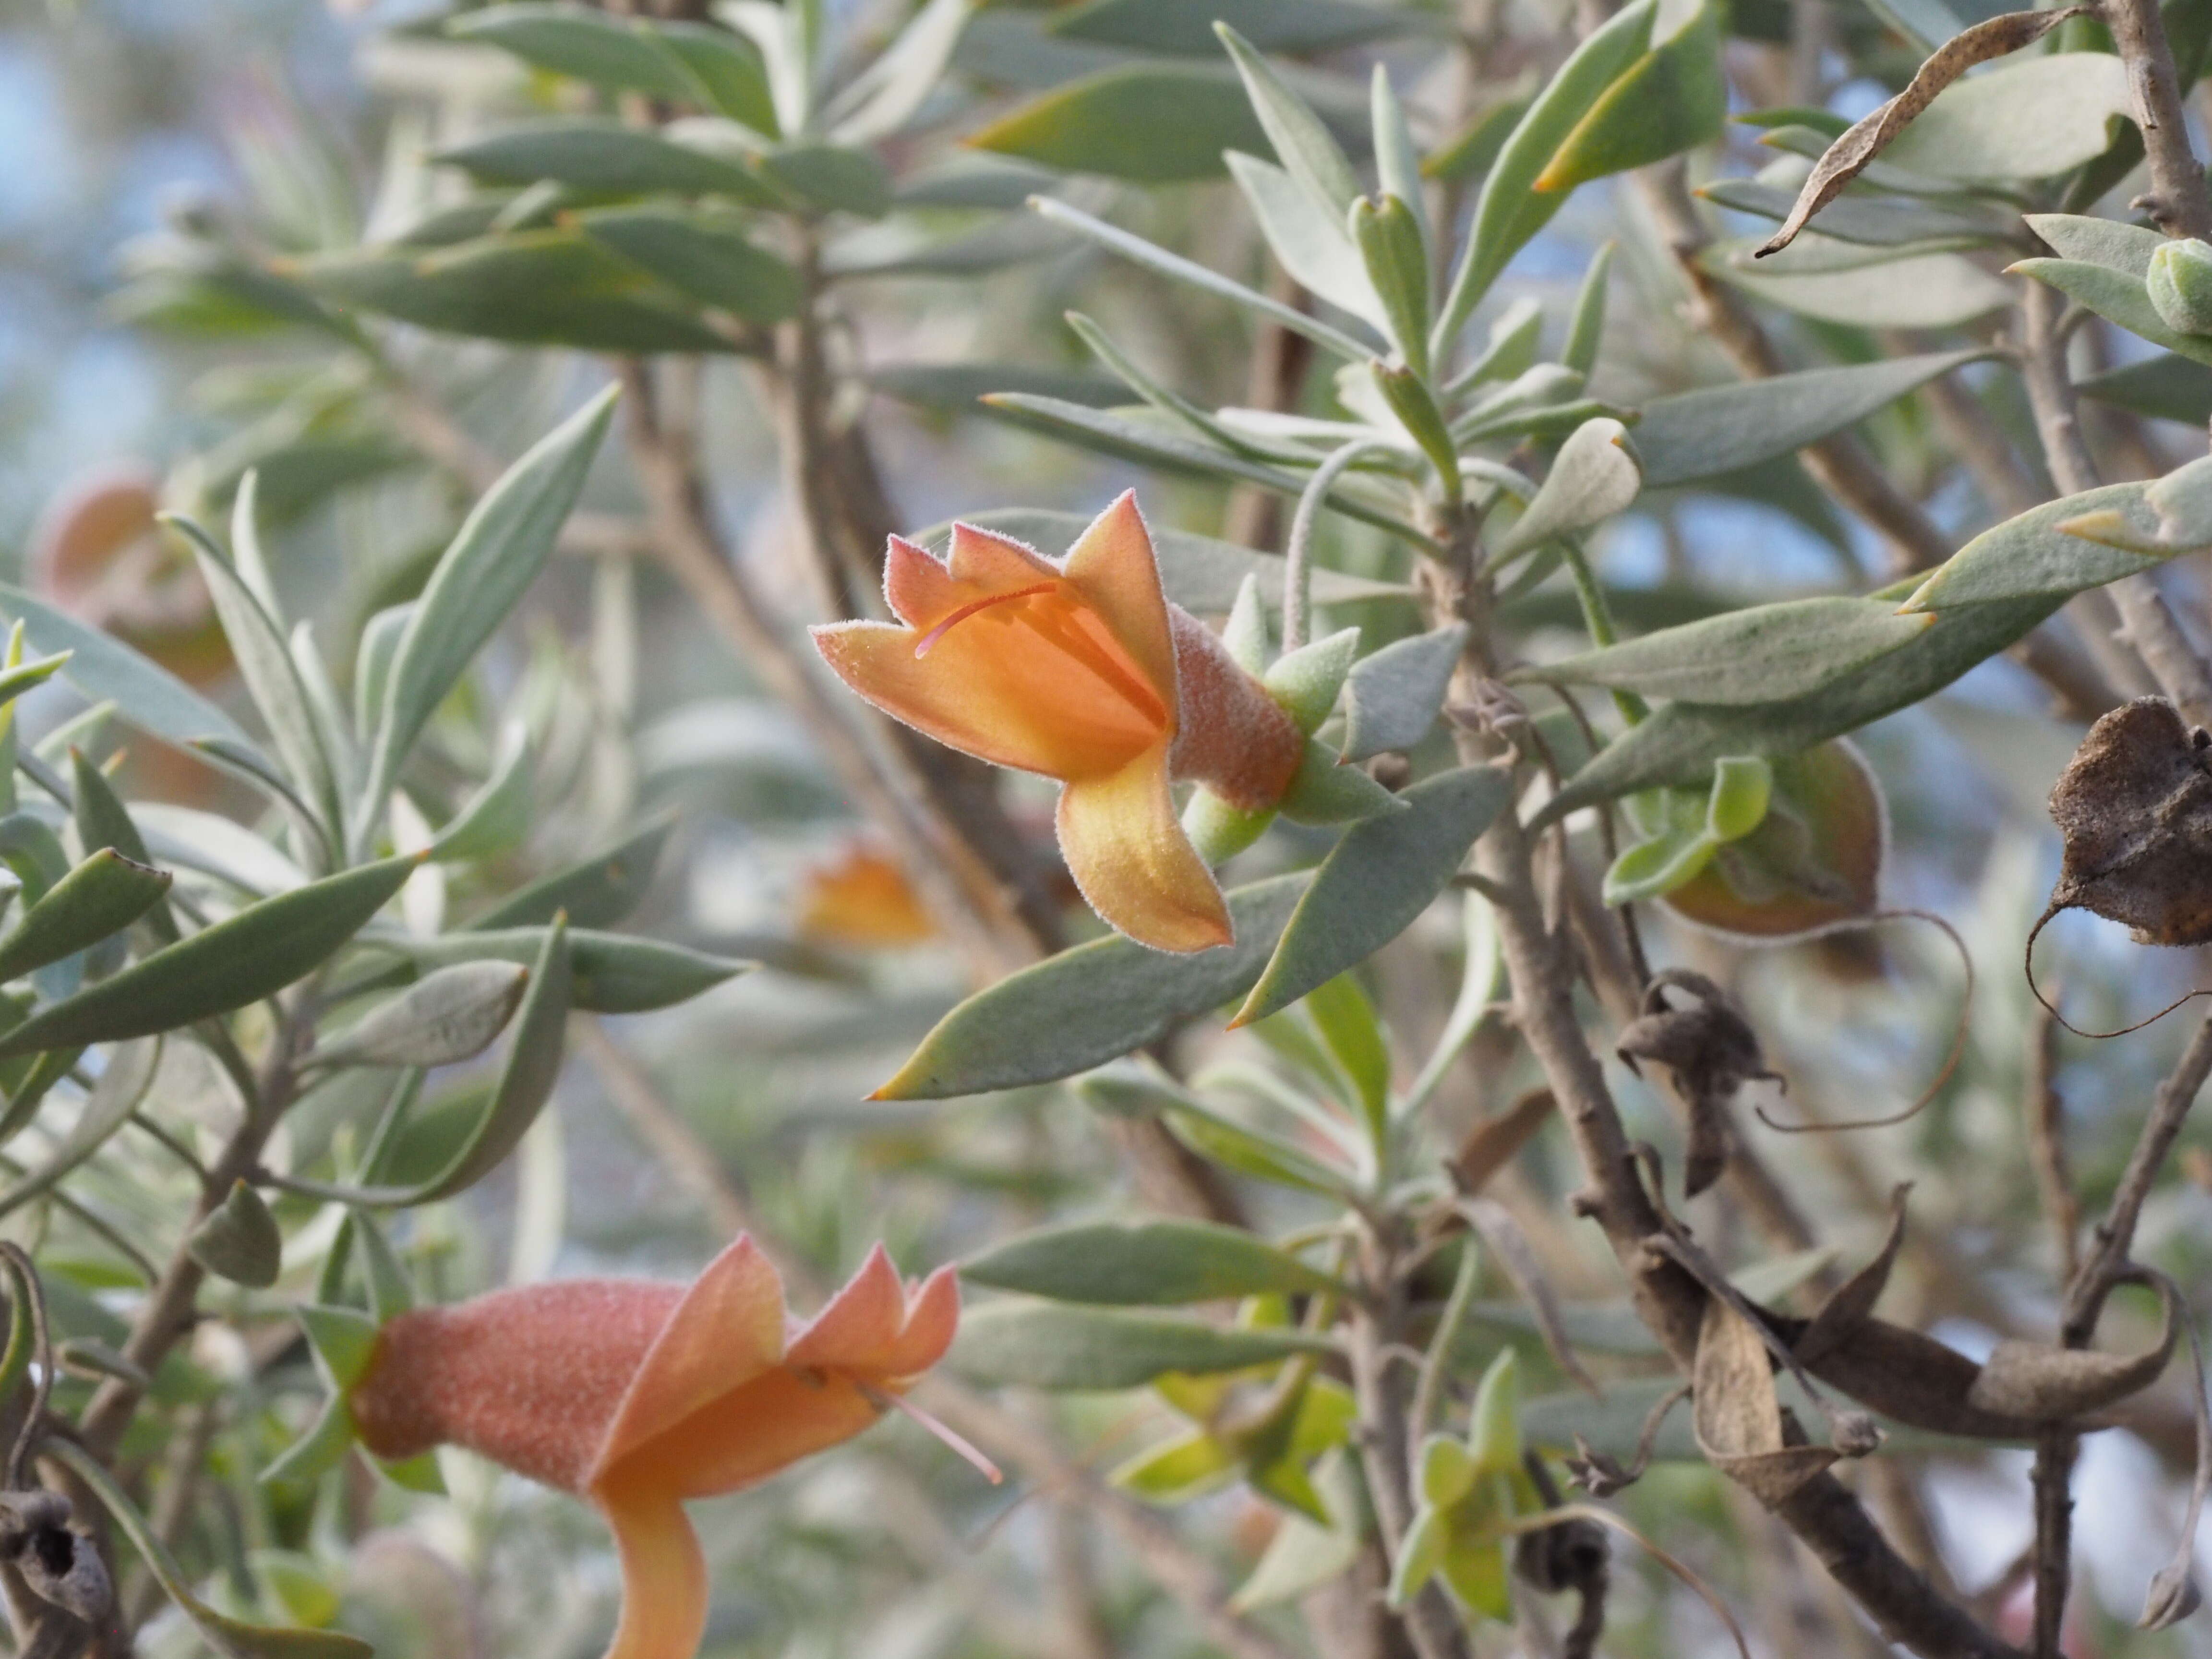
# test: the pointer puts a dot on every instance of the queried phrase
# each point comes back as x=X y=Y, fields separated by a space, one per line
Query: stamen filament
x=884 y=1400
x=921 y=645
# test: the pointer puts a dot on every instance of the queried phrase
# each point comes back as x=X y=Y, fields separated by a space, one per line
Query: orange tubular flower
x=638 y=1395
x=1080 y=671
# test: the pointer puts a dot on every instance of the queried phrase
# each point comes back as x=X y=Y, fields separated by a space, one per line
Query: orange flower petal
x=921 y=591
x=989 y=562
x=931 y=1321
x=728 y=1329
x=858 y=1327
x=1115 y=568
x=1135 y=866
x=995 y=691
x=754 y=1432
x=664 y=1606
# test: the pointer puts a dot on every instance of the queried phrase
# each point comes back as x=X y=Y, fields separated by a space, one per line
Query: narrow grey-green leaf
x=2164 y=385
x=596 y=893
x=446 y=1016
x=2118 y=298
x=497 y=816
x=607 y=156
x=114 y=1095
x=1384 y=873
x=1594 y=476
x=240 y=959
x=1718 y=429
x=1185 y=28
x=1143 y=1263
x=1090 y=1005
x=614 y=973
x=1199 y=573
x=703 y=253
x=2034 y=556
x=102 y=896
x=265 y=663
x=1762 y=654
x=103 y=822
x=1311 y=245
x=1112 y=433
x=1303 y=144
x=1679 y=744
x=106 y=670
x=2112 y=243
x=589 y=46
x=1392 y=695
x=231 y=1638
x=499 y=551
x=1043 y=1345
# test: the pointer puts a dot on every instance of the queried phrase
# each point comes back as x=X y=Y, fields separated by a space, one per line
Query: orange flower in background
x=638 y=1395
x=98 y=554
x=861 y=899
x=1080 y=671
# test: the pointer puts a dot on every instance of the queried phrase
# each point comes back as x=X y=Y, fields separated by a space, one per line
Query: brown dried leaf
x=1914 y=1380
x=2135 y=807
x=2173 y=1595
x=2043 y=1384
x=1736 y=1415
x=1851 y=1304
x=1848 y=157
x=1491 y=1143
x=1712 y=1052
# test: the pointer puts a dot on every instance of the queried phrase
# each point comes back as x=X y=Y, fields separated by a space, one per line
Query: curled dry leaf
x=2173 y=1595
x=2044 y=1384
x=1601 y=1475
x=1740 y=1423
x=1710 y=1049
x=2135 y=807
x=1490 y=1145
x=1848 y=157
x=1852 y=1303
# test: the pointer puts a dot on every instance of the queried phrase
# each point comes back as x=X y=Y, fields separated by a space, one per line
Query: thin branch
x=2176 y=200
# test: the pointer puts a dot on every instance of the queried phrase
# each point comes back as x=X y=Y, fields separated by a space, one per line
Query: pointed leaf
x=1042 y=1345
x=1086 y=1006
x=1762 y=654
x=237 y=1240
x=240 y=959
x=101 y=897
x=1594 y=476
x=1135 y=1264
x=596 y=893
x=1375 y=880
x=452 y=1014
x=614 y=973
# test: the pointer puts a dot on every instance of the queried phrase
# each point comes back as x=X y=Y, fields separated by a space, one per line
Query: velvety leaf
x=832 y=176
x=2031 y=119
x=1680 y=743
x=1384 y=873
x=1594 y=476
x=1762 y=654
x=2166 y=386
x=605 y=157
x=2111 y=243
x=252 y=954
x=614 y=973
x=1095 y=1003
x=449 y=1015
x=1134 y=1264
x=106 y=669
x=1873 y=221
x=1672 y=98
x=1114 y=434
x=596 y=893
x=1152 y=122
x=1510 y=209
x=1921 y=291
x=482 y=574
x=1720 y=430
x=688 y=63
x=2116 y=297
x=1301 y=143
x=1186 y=26
x=2035 y=556
x=101 y=897
x=1311 y=244
x=532 y=288
x=1392 y=695
x=1305 y=682
x=1045 y=1345
x=700 y=253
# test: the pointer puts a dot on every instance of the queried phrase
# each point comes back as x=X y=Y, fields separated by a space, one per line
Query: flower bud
x=2180 y=284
